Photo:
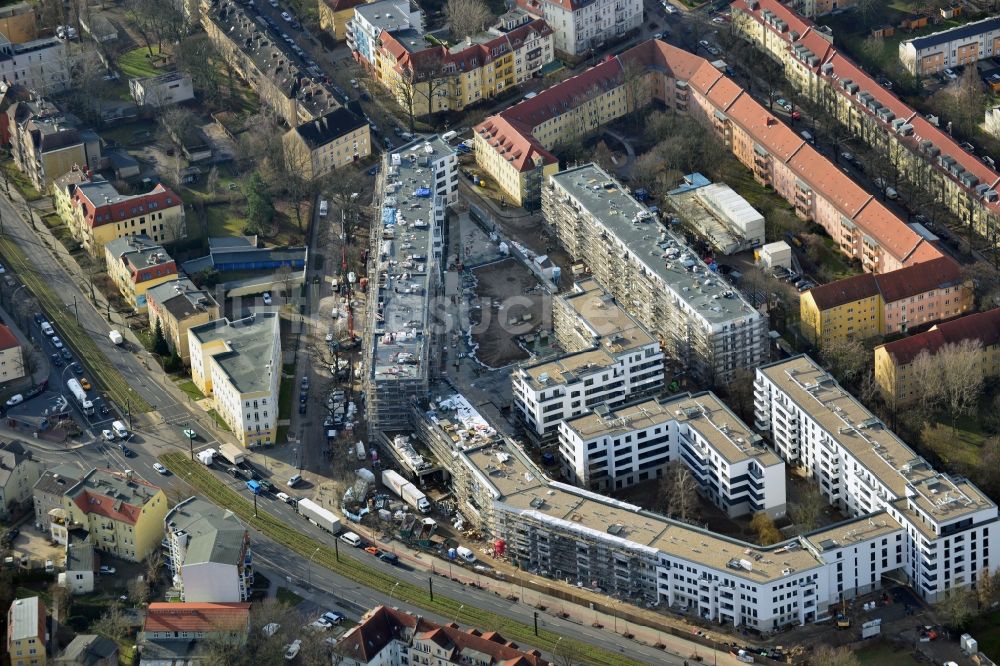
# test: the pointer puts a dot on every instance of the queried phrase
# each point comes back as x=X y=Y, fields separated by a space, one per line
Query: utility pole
x=430 y=589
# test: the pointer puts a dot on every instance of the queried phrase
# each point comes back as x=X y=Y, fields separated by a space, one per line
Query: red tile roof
x=982 y=326
x=7 y=338
x=841 y=68
x=893 y=286
x=197 y=617
x=824 y=177
x=382 y=625
x=122 y=207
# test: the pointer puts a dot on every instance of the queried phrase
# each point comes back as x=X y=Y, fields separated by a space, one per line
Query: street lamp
x=310 y=570
x=393 y=591
x=190 y=435
x=76 y=309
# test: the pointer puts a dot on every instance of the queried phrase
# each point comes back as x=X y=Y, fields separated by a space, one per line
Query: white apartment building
x=962 y=45
x=39 y=65
x=612 y=360
x=372 y=18
x=863 y=468
x=582 y=25
x=609 y=450
x=704 y=324
x=209 y=549
x=238 y=364
x=417 y=183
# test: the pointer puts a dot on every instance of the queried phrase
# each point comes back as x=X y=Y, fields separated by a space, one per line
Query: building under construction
x=405 y=272
x=703 y=323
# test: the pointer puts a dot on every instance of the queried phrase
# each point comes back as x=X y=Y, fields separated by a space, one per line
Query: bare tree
x=467 y=17
x=827 y=655
x=429 y=78
x=962 y=102
x=767 y=531
x=847 y=358
x=958 y=608
x=138 y=591
x=154 y=565
x=679 y=491
x=404 y=91
x=808 y=510
x=112 y=624
x=196 y=56
x=987 y=588
x=961 y=376
x=926 y=382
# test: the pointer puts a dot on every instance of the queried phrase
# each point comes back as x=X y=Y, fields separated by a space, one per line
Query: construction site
x=510 y=304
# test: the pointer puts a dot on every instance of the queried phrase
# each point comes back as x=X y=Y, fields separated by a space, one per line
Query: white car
x=320 y=625
x=160 y=468
x=270 y=629
x=108 y=435
x=950 y=73
x=267 y=298
x=284 y=497
x=669 y=8
x=2 y=269
x=292 y=650
x=286 y=16
x=106 y=570
x=15 y=400
x=56 y=342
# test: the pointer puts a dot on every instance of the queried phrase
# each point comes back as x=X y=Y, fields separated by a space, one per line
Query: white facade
x=371 y=19
x=160 y=91
x=442 y=162
x=776 y=254
x=210 y=557
x=963 y=45
x=742 y=220
x=39 y=65
x=580 y=26
x=863 y=468
x=613 y=360
x=610 y=450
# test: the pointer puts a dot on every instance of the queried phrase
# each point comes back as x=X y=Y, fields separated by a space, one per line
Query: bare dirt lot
x=513 y=305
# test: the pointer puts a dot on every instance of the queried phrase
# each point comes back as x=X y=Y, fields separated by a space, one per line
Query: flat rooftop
x=702 y=412
x=661 y=253
x=853 y=531
x=462 y=423
x=693 y=210
x=882 y=453
x=405 y=262
x=248 y=362
x=522 y=486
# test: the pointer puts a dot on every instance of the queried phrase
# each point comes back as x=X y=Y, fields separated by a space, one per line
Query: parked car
x=56 y=342
x=950 y=74
x=160 y=468
x=108 y=435
x=108 y=571
x=77 y=368
x=16 y=399
x=333 y=617
x=66 y=354
x=267 y=298
x=292 y=649
x=57 y=360
x=784 y=104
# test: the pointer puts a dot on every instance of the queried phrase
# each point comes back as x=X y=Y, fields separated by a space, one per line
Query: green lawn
x=986 y=630
x=223 y=221
x=137 y=63
x=961 y=447
x=131 y=134
x=190 y=389
x=20 y=181
x=288 y=597
x=219 y=421
x=286 y=397
x=879 y=653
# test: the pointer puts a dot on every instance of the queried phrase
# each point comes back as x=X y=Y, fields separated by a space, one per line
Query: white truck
x=232 y=453
x=81 y=396
x=116 y=337
x=407 y=492
x=206 y=457
x=319 y=516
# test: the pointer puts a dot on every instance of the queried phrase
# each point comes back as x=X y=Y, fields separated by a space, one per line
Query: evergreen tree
x=260 y=208
x=160 y=346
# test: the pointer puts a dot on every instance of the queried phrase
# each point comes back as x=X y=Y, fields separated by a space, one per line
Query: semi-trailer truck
x=406 y=491
x=316 y=514
x=81 y=396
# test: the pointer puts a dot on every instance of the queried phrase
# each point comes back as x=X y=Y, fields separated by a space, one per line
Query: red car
x=795 y=115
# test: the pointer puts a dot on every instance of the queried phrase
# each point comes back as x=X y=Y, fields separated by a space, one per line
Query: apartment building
x=372 y=19
x=47 y=493
x=962 y=45
x=19 y=472
x=432 y=76
x=893 y=361
x=136 y=264
x=178 y=305
x=703 y=324
x=610 y=359
x=862 y=467
x=210 y=556
x=718 y=214
x=122 y=513
x=18 y=23
x=40 y=65
x=332 y=141
x=867 y=306
x=26 y=634
x=814 y=8
x=238 y=364
x=264 y=60
x=611 y=449
x=46 y=143
x=415 y=186
x=180 y=631
x=163 y=90
x=336 y=15
x=100 y=215
x=11 y=357
x=927 y=157
x=582 y=26
x=391 y=637
x=513 y=146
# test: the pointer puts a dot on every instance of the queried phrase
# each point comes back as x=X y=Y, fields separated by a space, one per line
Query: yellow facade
x=860 y=319
x=120 y=537
x=335 y=21
x=176 y=330
x=322 y=160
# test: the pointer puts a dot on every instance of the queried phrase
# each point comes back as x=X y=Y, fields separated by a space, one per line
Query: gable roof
x=982 y=326
x=894 y=286
x=973 y=29
x=329 y=127
x=7 y=338
x=197 y=617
